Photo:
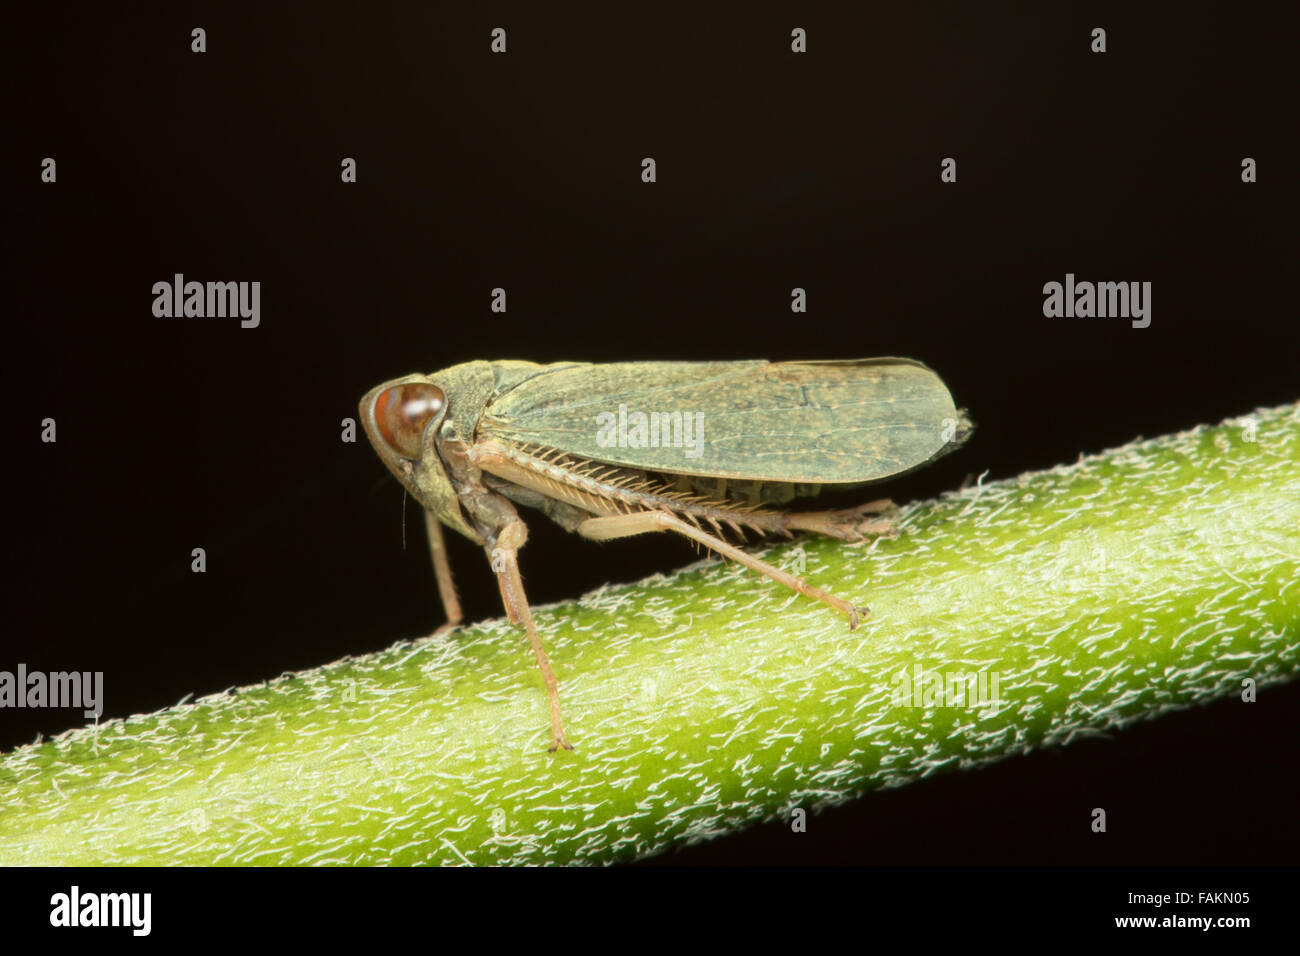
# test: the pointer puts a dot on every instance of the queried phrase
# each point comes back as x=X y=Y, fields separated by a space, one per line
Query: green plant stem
x=1152 y=577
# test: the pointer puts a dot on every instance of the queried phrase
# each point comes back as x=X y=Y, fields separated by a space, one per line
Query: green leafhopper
x=703 y=449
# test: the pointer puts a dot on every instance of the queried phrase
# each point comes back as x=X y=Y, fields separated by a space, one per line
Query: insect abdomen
x=601 y=489
x=744 y=492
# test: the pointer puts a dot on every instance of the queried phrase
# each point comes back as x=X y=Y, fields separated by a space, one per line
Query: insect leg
x=640 y=522
x=847 y=524
x=442 y=571
x=503 y=553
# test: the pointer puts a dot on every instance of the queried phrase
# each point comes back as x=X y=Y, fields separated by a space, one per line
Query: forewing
x=829 y=422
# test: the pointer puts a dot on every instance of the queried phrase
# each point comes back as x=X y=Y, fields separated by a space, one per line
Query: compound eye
x=403 y=412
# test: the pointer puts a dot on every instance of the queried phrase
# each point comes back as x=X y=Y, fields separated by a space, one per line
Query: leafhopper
x=703 y=449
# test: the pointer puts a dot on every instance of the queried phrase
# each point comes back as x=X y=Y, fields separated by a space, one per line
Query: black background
x=775 y=170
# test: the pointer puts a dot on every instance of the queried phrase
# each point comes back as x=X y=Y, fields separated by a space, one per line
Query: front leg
x=442 y=573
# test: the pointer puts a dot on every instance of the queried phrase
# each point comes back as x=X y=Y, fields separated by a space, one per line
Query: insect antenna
x=405 y=495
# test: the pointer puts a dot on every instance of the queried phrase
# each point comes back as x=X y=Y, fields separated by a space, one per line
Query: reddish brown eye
x=403 y=412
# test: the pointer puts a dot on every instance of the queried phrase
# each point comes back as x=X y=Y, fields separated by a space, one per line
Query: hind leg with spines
x=608 y=527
